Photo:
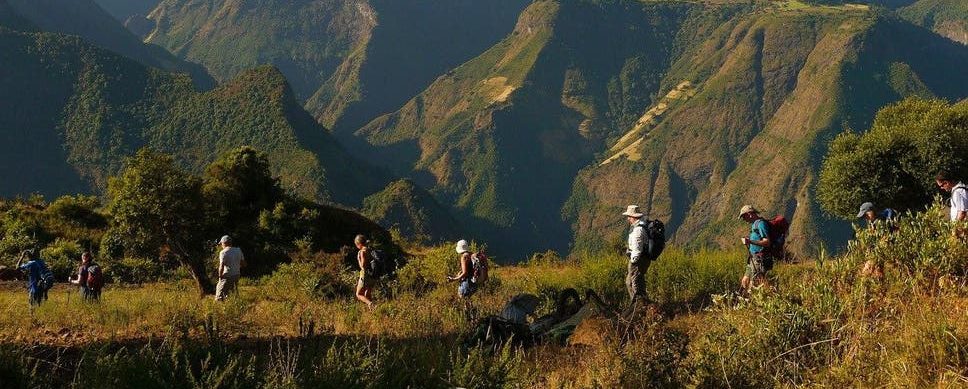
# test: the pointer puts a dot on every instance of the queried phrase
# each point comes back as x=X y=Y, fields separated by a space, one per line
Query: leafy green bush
x=62 y=257
x=429 y=269
x=923 y=249
x=135 y=270
x=895 y=162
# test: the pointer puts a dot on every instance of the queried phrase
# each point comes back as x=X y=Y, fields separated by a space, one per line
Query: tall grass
x=825 y=324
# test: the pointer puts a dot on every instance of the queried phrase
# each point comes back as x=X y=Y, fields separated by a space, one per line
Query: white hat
x=463 y=247
x=225 y=239
x=747 y=209
x=633 y=211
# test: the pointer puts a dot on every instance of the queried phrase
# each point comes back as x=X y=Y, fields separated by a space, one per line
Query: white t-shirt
x=231 y=258
x=959 y=200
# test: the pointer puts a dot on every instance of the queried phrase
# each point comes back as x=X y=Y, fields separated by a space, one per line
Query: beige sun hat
x=633 y=211
x=746 y=209
x=463 y=247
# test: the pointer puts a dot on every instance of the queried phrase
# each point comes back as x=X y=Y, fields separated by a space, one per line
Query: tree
x=155 y=208
x=238 y=188
x=894 y=163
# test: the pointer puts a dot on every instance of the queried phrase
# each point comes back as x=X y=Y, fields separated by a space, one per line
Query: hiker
x=468 y=283
x=230 y=263
x=874 y=218
x=39 y=278
x=959 y=195
x=757 y=243
x=873 y=215
x=364 y=287
x=638 y=263
x=90 y=279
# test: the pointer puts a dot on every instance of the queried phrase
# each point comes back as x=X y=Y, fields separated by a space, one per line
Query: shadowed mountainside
x=350 y=60
x=75 y=111
x=87 y=20
x=413 y=212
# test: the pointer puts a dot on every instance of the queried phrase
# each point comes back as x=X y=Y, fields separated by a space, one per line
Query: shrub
x=135 y=270
x=924 y=248
x=62 y=257
x=429 y=269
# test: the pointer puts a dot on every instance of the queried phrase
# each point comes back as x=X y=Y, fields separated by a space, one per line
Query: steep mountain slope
x=689 y=98
x=778 y=88
x=412 y=211
x=73 y=111
x=350 y=60
x=123 y=10
x=86 y=19
x=946 y=17
x=502 y=136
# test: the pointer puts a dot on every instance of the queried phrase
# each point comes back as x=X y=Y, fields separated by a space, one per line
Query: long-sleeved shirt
x=636 y=241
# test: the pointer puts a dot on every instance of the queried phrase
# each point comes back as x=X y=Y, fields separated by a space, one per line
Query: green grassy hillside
x=349 y=60
x=684 y=100
x=413 y=212
x=945 y=17
x=87 y=20
x=75 y=111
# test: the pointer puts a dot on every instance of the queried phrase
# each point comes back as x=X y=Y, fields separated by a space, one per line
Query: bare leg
x=362 y=294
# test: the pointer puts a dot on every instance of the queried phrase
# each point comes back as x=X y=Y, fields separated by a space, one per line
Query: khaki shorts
x=755 y=267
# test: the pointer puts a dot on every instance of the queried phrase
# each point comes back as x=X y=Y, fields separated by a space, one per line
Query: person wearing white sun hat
x=467 y=283
x=638 y=264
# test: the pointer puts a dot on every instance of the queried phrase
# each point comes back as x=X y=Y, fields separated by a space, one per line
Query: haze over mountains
x=524 y=124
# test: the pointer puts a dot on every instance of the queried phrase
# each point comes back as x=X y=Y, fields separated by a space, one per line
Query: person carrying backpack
x=473 y=270
x=368 y=280
x=90 y=278
x=758 y=243
x=638 y=252
x=39 y=277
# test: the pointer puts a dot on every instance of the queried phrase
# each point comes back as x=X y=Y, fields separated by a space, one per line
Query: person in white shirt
x=230 y=262
x=959 y=195
x=638 y=264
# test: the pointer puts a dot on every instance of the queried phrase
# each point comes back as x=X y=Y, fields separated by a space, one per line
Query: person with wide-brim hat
x=757 y=244
x=638 y=264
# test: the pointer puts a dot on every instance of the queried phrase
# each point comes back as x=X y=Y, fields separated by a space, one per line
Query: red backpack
x=778 y=227
x=95 y=277
x=480 y=267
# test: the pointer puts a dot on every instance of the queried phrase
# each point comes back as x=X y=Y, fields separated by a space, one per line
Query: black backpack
x=380 y=263
x=655 y=239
